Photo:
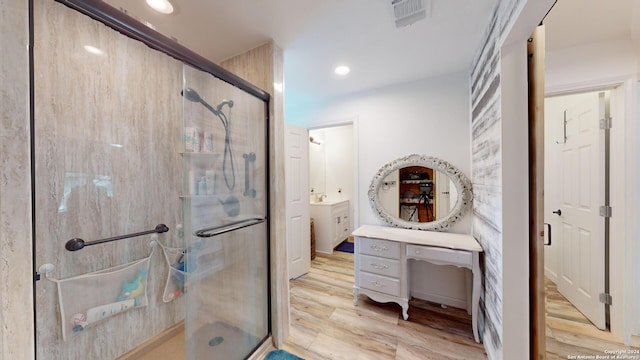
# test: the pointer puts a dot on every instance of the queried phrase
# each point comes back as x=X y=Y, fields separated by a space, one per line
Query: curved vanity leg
x=475 y=296
x=405 y=310
x=355 y=296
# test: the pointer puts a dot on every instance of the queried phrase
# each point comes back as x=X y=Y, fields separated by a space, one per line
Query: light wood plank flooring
x=569 y=332
x=326 y=325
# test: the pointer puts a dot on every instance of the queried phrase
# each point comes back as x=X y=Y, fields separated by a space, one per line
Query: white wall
x=317 y=161
x=430 y=117
x=425 y=117
x=632 y=149
x=515 y=200
x=339 y=165
x=587 y=64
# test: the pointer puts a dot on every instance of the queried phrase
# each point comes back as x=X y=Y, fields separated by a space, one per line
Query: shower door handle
x=219 y=230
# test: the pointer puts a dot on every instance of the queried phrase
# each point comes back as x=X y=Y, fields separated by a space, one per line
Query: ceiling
x=576 y=22
x=318 y=35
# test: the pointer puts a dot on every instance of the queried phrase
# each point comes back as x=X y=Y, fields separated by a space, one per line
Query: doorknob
x=559 y=212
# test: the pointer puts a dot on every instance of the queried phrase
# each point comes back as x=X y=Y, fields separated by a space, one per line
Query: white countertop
x=327 y=202
x=420 y=237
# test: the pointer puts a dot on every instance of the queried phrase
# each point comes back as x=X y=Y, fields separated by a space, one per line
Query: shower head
x=191 y=95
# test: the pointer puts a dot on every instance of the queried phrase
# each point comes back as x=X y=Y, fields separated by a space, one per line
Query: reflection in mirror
x=420 y=192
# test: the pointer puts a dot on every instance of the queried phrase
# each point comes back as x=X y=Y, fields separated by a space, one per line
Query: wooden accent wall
x=486 y=164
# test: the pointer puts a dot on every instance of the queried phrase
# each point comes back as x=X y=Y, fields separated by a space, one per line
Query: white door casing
x=297 y=200
x=442 y=187
x=581 y=234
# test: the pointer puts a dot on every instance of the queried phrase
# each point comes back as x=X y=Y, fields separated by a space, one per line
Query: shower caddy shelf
x=200 y=160
x=199 y=154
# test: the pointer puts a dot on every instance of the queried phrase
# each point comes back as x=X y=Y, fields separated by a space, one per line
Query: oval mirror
x=420 y=192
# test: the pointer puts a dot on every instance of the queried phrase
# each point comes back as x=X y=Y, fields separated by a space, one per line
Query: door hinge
x=36 y=276
x=605 y=211
x=606 y=299
x=606 y=123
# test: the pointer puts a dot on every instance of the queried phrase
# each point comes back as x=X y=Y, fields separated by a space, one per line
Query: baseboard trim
x=153 y=342
x=262 y=351
x=444 y=300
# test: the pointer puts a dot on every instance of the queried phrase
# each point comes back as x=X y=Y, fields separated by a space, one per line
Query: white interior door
x=296 y=142
x=581 y=234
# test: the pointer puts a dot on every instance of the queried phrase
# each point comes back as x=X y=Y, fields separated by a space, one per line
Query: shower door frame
x=132 y=28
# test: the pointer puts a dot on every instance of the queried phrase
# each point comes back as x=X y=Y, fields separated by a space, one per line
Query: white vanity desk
x=381 y=256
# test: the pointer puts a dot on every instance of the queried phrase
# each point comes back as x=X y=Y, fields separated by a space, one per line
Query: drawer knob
x=378 y=248
x=376 y=283
x=379 y=266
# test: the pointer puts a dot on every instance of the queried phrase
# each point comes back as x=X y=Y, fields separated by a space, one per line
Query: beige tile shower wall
x=108 y=136
x=263 y=67
x=16 y=314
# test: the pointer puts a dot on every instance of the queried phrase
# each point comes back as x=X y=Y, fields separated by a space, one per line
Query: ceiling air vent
x=407 y=12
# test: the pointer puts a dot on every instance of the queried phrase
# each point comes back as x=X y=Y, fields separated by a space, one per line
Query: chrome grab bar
x=218 y=230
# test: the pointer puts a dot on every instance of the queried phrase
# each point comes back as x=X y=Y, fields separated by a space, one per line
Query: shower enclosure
x=151 y=192
x=225 y=211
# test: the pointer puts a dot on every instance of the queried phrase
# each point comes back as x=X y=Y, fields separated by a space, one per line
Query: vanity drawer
x=380 y=266
x=380 y=284
x=440 y=255
x=377 y=247
x=345 y=230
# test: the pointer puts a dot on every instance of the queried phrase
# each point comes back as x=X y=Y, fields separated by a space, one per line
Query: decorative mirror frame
x=461 y=182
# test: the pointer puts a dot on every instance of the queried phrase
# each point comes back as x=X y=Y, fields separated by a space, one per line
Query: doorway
x=331 y=167
x=576 y=183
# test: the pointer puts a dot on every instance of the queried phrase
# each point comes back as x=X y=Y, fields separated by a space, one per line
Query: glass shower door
x=226 y=263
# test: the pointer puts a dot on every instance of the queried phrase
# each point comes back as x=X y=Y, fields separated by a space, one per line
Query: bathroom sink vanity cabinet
x=331 y=224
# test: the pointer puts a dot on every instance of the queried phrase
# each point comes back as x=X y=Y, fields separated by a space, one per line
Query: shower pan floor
x=213 y=341
x=221 y=341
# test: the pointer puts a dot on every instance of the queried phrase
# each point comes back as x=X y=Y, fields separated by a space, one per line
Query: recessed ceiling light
x=342 y=70
x=93 y=50
x=161 y=6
